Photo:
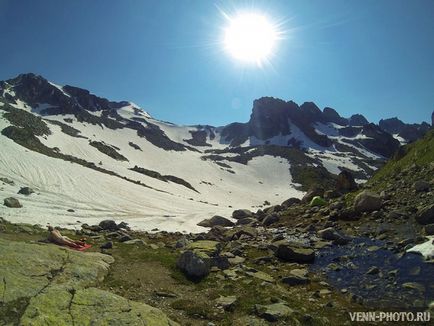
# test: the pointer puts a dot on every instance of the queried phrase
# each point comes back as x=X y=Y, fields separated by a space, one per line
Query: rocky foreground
x=304 y=262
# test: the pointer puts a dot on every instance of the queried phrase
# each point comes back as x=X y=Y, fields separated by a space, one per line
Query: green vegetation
x=419 y=153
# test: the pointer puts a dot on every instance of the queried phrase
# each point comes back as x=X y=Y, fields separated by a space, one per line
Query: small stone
x=135 y=242
x=227 y=303
x=26 y=191
x=421 y=185
x=273 y=312
x=12 y=203
x=373 y=270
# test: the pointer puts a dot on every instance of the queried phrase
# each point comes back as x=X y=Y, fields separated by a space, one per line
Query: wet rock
x=12 y=202
x=421 y=186
x=373 y=270
x=333 y=235
x=367 y=202
x=109 y=225
x=26 y=191
x=194 y=264
x=241 y=213
x=425 y=215
x=273 y=312
x=290 y=253
x=216 y=220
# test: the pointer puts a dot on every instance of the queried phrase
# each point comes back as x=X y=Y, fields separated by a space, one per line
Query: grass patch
x=420 y=153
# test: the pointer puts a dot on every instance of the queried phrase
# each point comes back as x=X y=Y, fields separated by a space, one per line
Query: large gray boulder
x=367 y=201
x=51 y=285
x=195 y=264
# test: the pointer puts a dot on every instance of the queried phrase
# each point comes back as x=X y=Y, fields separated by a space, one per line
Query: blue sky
x=373 y=57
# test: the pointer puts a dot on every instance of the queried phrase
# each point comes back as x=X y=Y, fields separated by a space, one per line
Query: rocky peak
x=330 y=115
x=358 y=120
x=34 y=89
x=311 y=111
x=392 y=125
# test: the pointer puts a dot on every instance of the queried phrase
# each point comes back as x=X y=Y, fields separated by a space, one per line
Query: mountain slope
x=105 y=159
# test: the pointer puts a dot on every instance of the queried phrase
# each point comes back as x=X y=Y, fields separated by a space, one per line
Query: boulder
x=333 y=235
x=296 y=277
x=241 y=213
x=317 y=201
x=227 y=303
x=429 y=229
x=58 y=287
x=425 y=215
x=367 y=202
x=207 y=246
x=107 y=245
x=290 y=253
x=273 y=312
x=108 y=225
x=26 y=191
x=291 y=201
x=270 y=219
x=421 y=186
x=195 y=264
x=12 y=203
x=135 y=242
x=314 y=191
x=216 y=220
x=246 y=220
x=345 y=182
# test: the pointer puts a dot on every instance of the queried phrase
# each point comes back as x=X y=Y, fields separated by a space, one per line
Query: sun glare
x=250 y=37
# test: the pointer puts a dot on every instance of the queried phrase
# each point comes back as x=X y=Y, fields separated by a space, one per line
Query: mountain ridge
x=193 y=171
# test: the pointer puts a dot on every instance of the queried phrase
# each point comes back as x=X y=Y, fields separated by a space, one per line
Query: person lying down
x=56 y=237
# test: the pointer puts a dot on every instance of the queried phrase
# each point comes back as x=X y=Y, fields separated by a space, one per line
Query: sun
x=250 y=37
